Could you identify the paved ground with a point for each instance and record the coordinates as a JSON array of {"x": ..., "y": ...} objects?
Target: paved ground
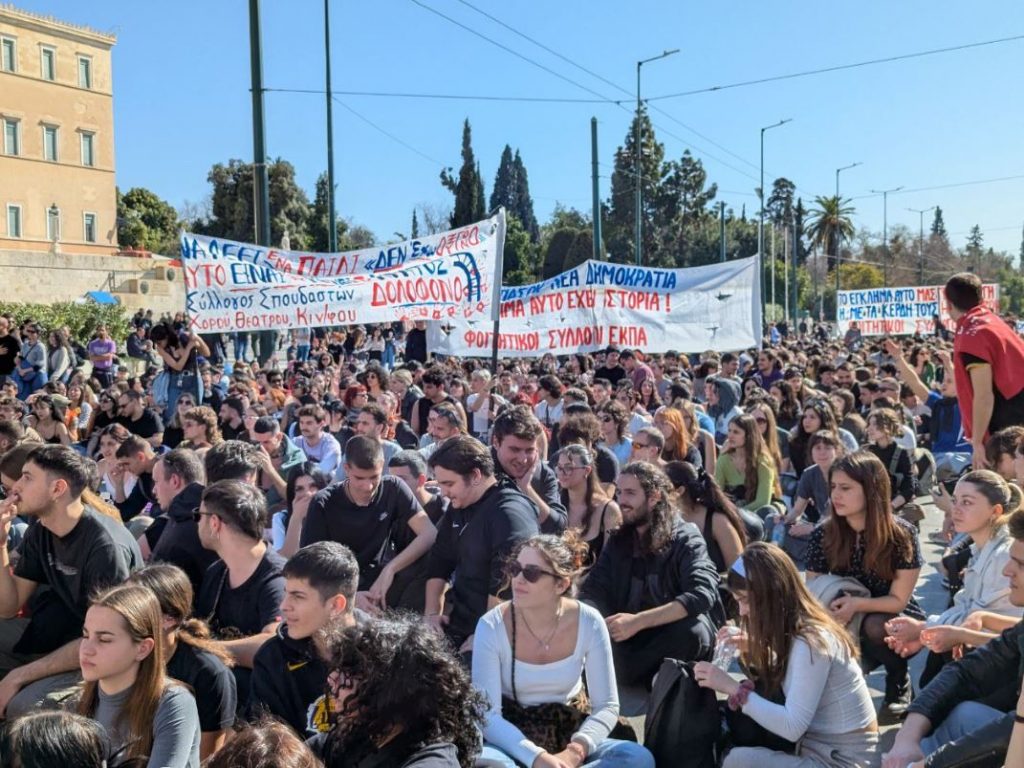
[{"x": 930, "y": 594}]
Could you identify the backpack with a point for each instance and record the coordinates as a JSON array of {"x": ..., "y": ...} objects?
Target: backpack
[{"x": 682, "y": 719}]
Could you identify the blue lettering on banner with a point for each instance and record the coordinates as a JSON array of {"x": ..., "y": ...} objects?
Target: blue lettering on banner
[{"x": 603, "y": 273}]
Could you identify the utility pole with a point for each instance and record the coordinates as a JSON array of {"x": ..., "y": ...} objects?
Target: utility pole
[
  {"x": 885, "y": 232},
  {"x": 839, "y": 235},
  {"x": 920, "y": 242},
  {"x": 760, "y": 222},
  {"x": 596, "y": 188},
  {"x": 638, "y": 176},
  {"x": 332, "y": 228},
  {"x": 261, "y": 182}
]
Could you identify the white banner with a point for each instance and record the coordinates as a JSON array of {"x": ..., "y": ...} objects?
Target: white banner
[
  {"x": 900, "y": 311},
  {"x": 599, "y": 304},
  {"x": 235, "y": 286}
]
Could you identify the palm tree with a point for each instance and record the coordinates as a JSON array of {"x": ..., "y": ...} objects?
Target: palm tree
[{"x": 830, "y": 224}]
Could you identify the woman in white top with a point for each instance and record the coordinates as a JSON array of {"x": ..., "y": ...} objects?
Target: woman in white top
[
  {"x": 982, "y": 502},
  {"x": 529, "y": 656},
  {"x": 798, "y": 649}
]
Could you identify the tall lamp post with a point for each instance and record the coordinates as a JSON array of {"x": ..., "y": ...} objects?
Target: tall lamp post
[
  {"x": 760, "y": 223},
  {"x": 839, "y": 236},
  {"x": 885, "y": 229},
  {"x": 638, "y": 139},
  {"x": 920, "y": 242}
]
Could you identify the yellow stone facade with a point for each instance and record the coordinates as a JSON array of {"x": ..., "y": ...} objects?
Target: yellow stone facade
[{"x": 56, "y": 136}]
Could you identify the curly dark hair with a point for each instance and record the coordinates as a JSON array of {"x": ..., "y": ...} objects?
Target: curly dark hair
[
  {"x": 662, "y": 518},
  {"x": 406, "y": 676}
]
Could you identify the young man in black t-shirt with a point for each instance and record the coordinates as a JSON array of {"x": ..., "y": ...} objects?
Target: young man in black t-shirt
[
  {"x": 289, "y": 676},
  {"x": 411, "y": 468},
  {"x": 72, "y": 549},
  {"x": 241, "y": 593},
  {"x": 139, "y": 420},
  {"x": 374, "y": 515},
  {"x": 9, "y": 349}
]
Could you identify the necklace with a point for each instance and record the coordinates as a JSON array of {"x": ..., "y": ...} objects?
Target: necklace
[{"x": 545, "y": 643}]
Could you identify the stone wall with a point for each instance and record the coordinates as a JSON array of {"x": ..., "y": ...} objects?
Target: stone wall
[{"x": 42, "y": 278}]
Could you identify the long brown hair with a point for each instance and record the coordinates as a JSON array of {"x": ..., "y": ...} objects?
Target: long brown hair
[
  {"x": 594, "y": 495},
  {"x": 781, "y": 610},
  {"x": 883, "y": 538},
  {"x": 754, "y": 453},
  {"x": 140, "y": 610},
  {"x": 174, "y": 592},
  {"x": 771, "y": 434}
]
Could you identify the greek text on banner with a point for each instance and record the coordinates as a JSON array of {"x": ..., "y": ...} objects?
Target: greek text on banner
[
  {"x": 235, "y": 286},
  {"x": 900, "y": 311},
  {"x": 599, "y": 304}
]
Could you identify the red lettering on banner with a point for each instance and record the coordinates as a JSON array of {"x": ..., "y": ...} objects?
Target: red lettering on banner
[
  {"x": 513, "y": 309},
  {"x": 562, "y": 338},
  {"x": 615, "y": 298},
  {"x": 627, "y": 335},
  {"x": 458, "y": 241},
  {"x": 896, "y": 327},
  {"x": 418, "y": 290},
  {"x": 205, "y": 275},
  {"x": 585, "y": 299}
]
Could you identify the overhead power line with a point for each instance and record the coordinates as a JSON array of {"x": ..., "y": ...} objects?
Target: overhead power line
[
  {"x": 838, "y": 68},
  {"x": 387, "y": 133},
  {"x": 945, "y": 186}
]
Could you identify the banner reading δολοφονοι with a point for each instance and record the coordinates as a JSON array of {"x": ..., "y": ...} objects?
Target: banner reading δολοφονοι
[
  {"x": 600, "y": 304},
  {"x": 234, "y": 286}
]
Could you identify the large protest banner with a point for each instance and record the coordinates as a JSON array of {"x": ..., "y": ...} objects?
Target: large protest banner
[
  {"x": 900, "y": 311},
  {"x": 235, "y": 286},
  {"x": 599, "y": 304}
]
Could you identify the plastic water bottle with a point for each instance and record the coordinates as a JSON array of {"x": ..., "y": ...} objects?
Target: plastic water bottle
[
  {"x": 778, "y": 530},
  {"x": 726, "y": 650}
]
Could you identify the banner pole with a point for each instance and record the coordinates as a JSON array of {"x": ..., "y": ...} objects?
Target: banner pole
[{"x": 496, "y": 296}]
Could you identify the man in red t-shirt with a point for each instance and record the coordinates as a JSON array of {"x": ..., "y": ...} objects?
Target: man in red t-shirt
[{"x": 988, "y": 358}]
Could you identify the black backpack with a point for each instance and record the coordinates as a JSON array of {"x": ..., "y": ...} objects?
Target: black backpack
[{"x": 682, "y": 718}]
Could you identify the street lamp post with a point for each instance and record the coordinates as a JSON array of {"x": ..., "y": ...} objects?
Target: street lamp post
[
  {"x": 760, "y": 224},
  {"x": 839, "y": 235},
  {"x": 638, "y": 139},
  {"x": 885, "y": 230},
  {"x": 920, "y": 242}
]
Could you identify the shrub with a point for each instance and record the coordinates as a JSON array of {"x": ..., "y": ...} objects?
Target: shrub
[{"x": 82, "y": 319}]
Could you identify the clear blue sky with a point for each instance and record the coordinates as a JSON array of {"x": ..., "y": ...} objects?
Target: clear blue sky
[{"x": 181, "y": 84}]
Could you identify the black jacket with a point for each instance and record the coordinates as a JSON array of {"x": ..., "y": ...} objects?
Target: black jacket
[
  {"x": 545, "y": 483},
  {"x": 289, "y": 682},
  {"x": 682, "y": 572},
  {"x": 474, "y": 544},
  {"x": 179, "y": 541},
  {"x": 991, "y": 673},
  {"x": 396, "y": 755}
]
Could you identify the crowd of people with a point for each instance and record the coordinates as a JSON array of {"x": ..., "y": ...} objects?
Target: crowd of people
[{"x": 338, "y": 552}]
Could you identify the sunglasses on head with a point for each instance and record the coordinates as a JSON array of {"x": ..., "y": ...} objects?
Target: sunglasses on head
[{"x": 531, "y": 573}]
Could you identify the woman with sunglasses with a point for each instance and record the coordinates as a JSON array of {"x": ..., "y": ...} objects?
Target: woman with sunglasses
[
  {"x": 795, "y": 651},
  {"x": 592, "y": 512},
  {"x": 614, "y": 420},
  {"x": 202, "y": 431},
  {"x": 529, "y": 656},
  {"x": 174, "y": 431}
]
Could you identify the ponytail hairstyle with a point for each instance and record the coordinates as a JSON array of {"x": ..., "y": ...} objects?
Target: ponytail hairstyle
[
  {"x": 701, "y": 489},
  {"x": 174, "y": 593},
  {"x": 139, "y": 609},
  {"x": 997, "y": 492}
]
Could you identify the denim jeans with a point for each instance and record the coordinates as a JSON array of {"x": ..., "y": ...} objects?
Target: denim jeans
[
  {"x": 967, "y": 716},
  {"x": 29, "y": 384},
  {"x": 610, "y": 753},
  {"x": 180, "y": 383},
  {"x": 302, "y": 352}
]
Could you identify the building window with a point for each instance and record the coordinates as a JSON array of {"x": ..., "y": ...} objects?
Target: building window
[
  {"x": 88, "y": 155},
  {"x": 50, "y": 143},
  {"x": 84, "y": 72},
  {"x": 89, "y": 228},
  {"x": 52, "y": 223},
  {"x": 48, "y": 63},
  {"x": 12, "y": 137},
  {"x": 14, "y": 221},
  {"x": 8, "y": 55}
]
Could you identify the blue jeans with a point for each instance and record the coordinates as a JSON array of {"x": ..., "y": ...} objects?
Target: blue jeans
[
  {"x": 302, "y": 352},
  {"x": 241, "y": 346},
  {"x": 967, "y": 716},
  {"x": 180, "y": 383},
  {"x": 29, "y": 384},
  {"x": 610, "y": 753}
]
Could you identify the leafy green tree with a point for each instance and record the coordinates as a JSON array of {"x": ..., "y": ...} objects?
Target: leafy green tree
[
  {"x": 519, "y": 262},
  {"x": 146, "y": 222},
  {"x": 503, "y": 193},
  {"x": 523, "y": 202},
  {"x": 619, "y": 229},
  {"x": 557, "y": 251},
  {"x": 467, "y": 187},
  {"x": 681, "y": 207},
  {"x": 830, "y": 222},
  {"x": 231, "y": 207},
  {"x": 582, "y": 248},
  {"x": 799, "y": 224},
  {"x": 975, "y": 247},
  {"x": 779, "y": 206},
  {"x": 317, "y": 224},
  {"x": 415, "y": 231},
  {"x": 938, "y": 225}
]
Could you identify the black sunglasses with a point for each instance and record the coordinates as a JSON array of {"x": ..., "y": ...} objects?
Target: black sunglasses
[
  {"x": 531, "y": 573},
  {"x": 197, "y": 515}
]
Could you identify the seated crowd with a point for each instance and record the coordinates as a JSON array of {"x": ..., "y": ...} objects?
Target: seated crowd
[{"x": 339, "y": 562}]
